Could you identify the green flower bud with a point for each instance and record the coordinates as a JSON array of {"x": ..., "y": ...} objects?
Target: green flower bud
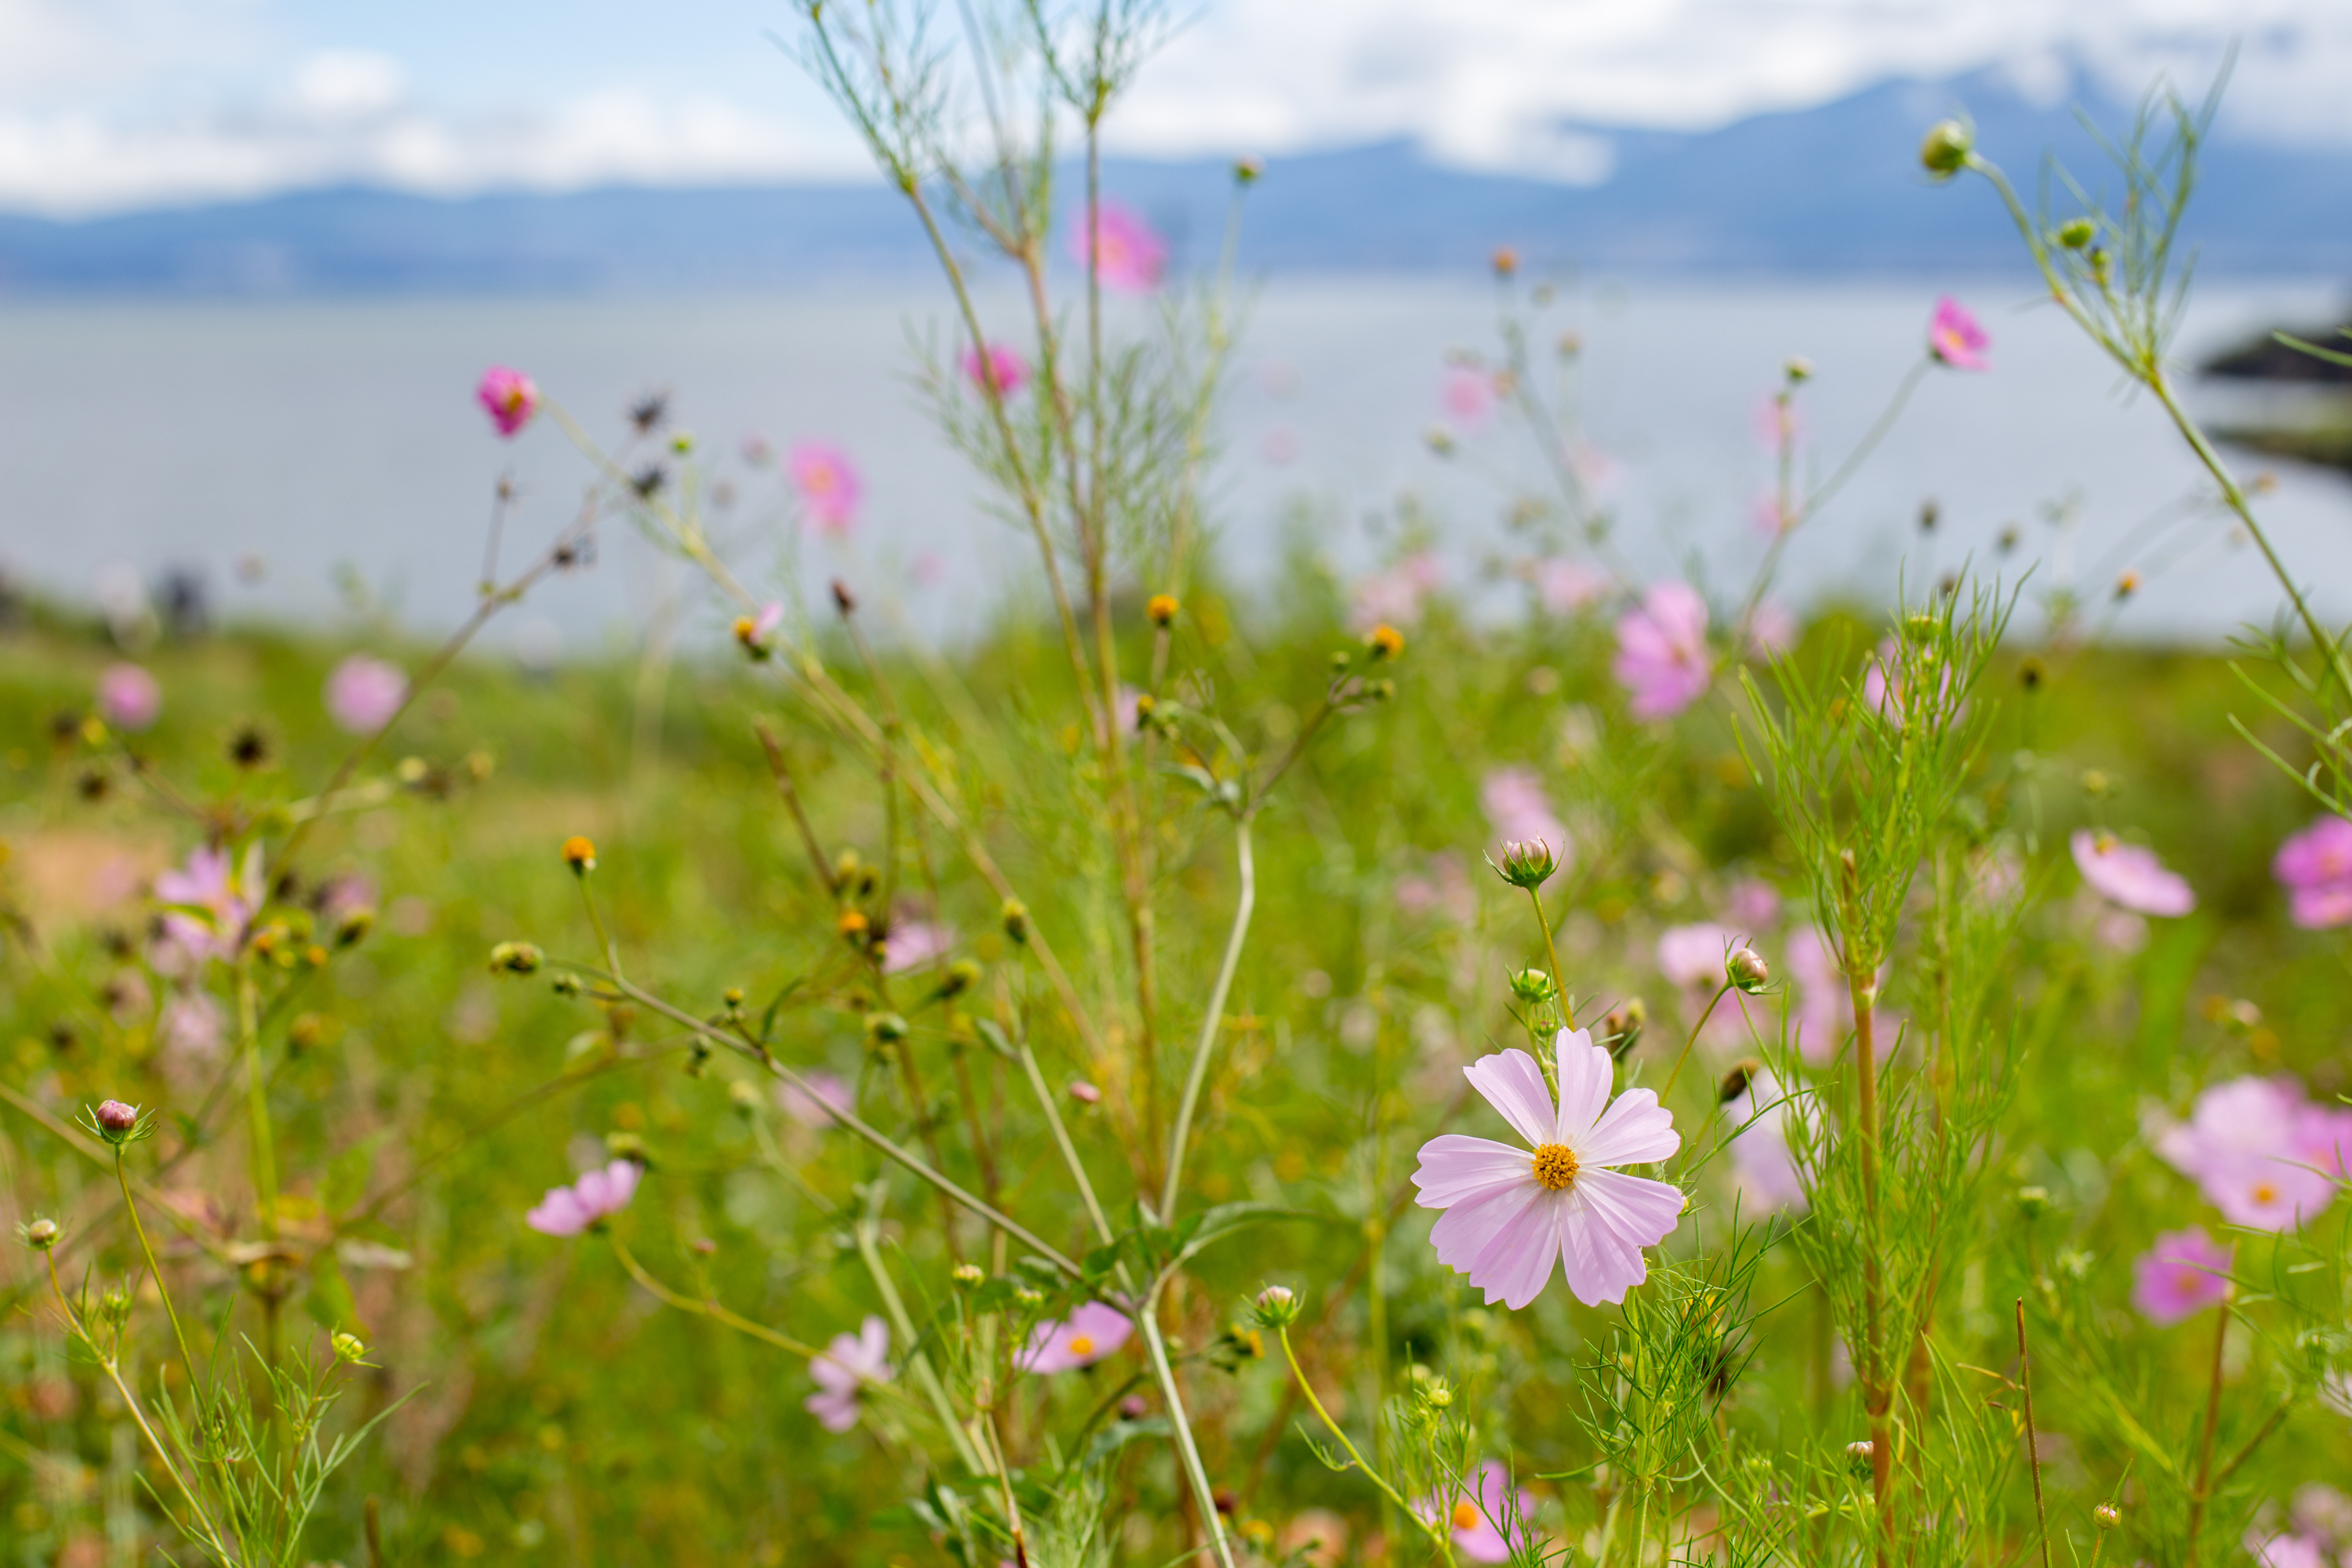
[
  {"x": 1945, "y": 151},
  {"x": 1747, "y": 971},
  {"x": 1533, "y": 987},
  {"x": 1015, "y": 916},
  {"x": 1526, "y": 863},
  {"x": 348, "y": 1347},
  {"x": 41, "y": 1235},
  {"x": 2075, "y": 234},
  {"x": 516, "y": 958},
  {"x": 1277, "y": 1307}
]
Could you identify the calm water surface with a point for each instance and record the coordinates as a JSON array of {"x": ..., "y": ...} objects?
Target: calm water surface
[{"x": 335, "y": 442}]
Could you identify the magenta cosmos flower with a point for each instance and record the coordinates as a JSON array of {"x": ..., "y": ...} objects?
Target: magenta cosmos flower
[
  {"x": 589, "y": 1202},
  {"x": 1954, "y": 337},
  {"x": 2316, "y": 869},
  {"x": 2182, "y": 1273},
  {"x": 364, "y": 693},
  {"x": 829, "y": 485},
  {"x": 1127, "y": 254},
  {"x": 842, "y": 1372},
  {"x": 510, "y": 397},
  {"x": 127, "y": 696},
  {"x": 2263, "y": 1154},
  {"x": 1476, "y": 1536},
  {"x": 1662, "y": 656},
  {"x": 1082, "y": 1338},
  {"x": 1509, "y": 1212},
  {"x": 214, "y": 902},
  {"x": 2126, "y": 875},
  {"x": 1000, "y": 366}
]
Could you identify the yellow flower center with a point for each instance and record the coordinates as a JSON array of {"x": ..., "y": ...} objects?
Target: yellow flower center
[
  {"x": 1465, "y": 1516},
  {"x": 2265, "y": 1194},
  {"x": 1081, "y": 1345},
  {"x": 1555, "y": 1165}
]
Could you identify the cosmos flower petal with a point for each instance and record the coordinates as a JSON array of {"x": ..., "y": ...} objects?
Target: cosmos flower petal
[
  {"x": 1516, "y": 1264},
  {"x": 1639, "y": 1211},
  {"x": 1456, "y": 1166},
  {"x": 1634, "y": 1130},
  {"x": 1584, "y": 1076},
  {"x": 560, "y": 1213},
  {"x": 1514, "y": 1085},
  {"x": 1600, "y": 1266},
  {"x": 1462, "y": 1231}
]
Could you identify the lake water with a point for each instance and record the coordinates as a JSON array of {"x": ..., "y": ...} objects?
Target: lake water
[{"x": 337, "y": 440}]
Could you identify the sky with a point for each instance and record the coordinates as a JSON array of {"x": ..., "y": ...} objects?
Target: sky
[{"x": 114, "y": 105}]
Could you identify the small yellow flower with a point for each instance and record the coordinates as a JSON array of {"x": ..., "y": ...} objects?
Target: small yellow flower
[
  {"x": 1385, "y": 641},
  {"x": 579, "y": 854},
  {"x": 1162, "y": 609}
]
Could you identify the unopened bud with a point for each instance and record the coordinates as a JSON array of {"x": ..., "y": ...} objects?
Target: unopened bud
[
  {"x": 1858, "y": 1456},
  {"x": 2076, "y": 233},
  {"x": 1015, "y": 916},
  {"x": 1277, "y": 1307},
  {"x": 1533, "y": 987},
  {"x": 2032, "y": 1202},
  {"x": 885, "y": 1028},
  {"x": 745, "y": 1094},
  {"x": 353, "y": 928},
  {"x": 41, "y": 1235},
  {"x": 842, "y": 599},
  {"x": 1248, "y": 170},
  {"x": 515, "y": 958},
  {"x": 1622, "y": 1026},
  {"x": 2107, "y": 1516},
  {"x": 1746, "y": 969},
  {"x": 961, "y": 976},
  {"x": 348, "y": 1347},
  {"x": 1739, "y": 1080},
  {"x": 1526, "y": 863},
  {"x": 1083, "y": 1092},
  {"x": 1947, "y": 148},
  {"x": 116, "y": 1117},
  {"x": 1799, "y": 370}
]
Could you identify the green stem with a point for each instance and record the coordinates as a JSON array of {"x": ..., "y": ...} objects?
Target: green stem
[
  {"x": 1685, "y": 1056},
  {"x": 1243, "y": 905},
  {"x": 1439, "y": 1536},
  {"x": 2203, "y": 1490},
  {"x": 123, "y": 1179},
  {"x": 868, "y": 1233},
  {"x": 1559, "y": 980}
]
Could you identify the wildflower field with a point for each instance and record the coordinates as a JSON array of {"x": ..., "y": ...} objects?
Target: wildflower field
[{"x": 1594, "y": 1069}]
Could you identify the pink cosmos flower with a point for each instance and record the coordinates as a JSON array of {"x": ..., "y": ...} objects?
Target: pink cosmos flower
[
  {"x": 1445, "y": 887},
  {"x": 2285, "y": 1550},
  {"x": 1954, "y": 337},
  {"x": 1510, "y": 1212},
  {"x": 364, "y": 693},
  {"x": 1514, "y": 801},
  {"x": 2263, "y": 1154},
  {"x": 1084, "y": 1338},
  {"x": 915, "y": 943},
  {"x": 1467, "y": 395},
  {"x": 1475, "y": 1536},
  {"x": 1771, "y": 629},
  {"x": 829, "y": 485},
  {"x": 1752, "y": 903},
  {"x": 587, "y": 1203},
  {"x": 1566, "y": 586},
  {"x": 814, "y": 1110},
  {"x": 2320, "y": 1510},
  {"x": 127, "y": 696},
  {"x": 1763, "y": 1167},
  {"x": 842, "y": 1372},
  {"x": 192, "y": 1024},
  {"x": 1128, "y": 256},
  {"x": 1661, "y": 655},
  {"x": 1394, "y": 597},
  {"x": 2315, "y": 868},
  {"x": 215, "y": 903},
  {"x": 1002, "y": 366},
  {"x": 511, "y": 398},
  {"x": 2182, "y": 1273},
  {"x": 2128, "y": 875}
]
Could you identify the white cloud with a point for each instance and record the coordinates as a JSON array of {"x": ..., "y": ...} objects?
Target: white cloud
[{"x": 109, "y": 104}]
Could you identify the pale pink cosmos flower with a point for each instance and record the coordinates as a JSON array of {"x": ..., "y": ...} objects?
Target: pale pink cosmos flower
[
  {"x": 1394, "y": 597},
  {"x": 2320, "y": 1510},
  {"x": 1763, "y": 1166},
  {"x": 814, "y": 1107},
  {"x": 1954, "y": 337},
  {"x": 1476, "y": 1537},
  {"x": 1467, "y": 395},
  {"x": 842, "y": 1372},
  {"x": 2128, "y": 875},
  {"x": 829, "y": 485},
  {"x": 1000, "y": 366},
  {"x": 1752, "y": 903},
  {"x": 2182, "y": 1273},
  {"x": 587, "y": 1203},
  {"x": 2261, "y": 1154},
  {"x": 913, "y": 943},
  {"x": 192, "y": 1024},
  {"x": 2286, "y": 1550},
  {"x": 364, "y": 693},
  {"x": 1128, "y": 257},
  {"x": 1515, "y": 802},
  {"x": 1661, "y": 654},
  {"x": 1091, "y": 1332},
  {"x": 1511, "y": 1213},
  {"x": 1566, "y": 586},
  {"x": 511, "y": 398},
  {"x": 1445, "y": 887},
  {"x": 1771, "y": 630},
  {"x": 2315, "y": 868},
  {"x": 127, "y": 696},
  {"x": 215, "y": 903}
]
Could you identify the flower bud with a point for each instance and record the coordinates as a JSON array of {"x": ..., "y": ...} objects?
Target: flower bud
[
  {"x": 580, "y": 854},
  {"x": 1747, "y": 971},
  {"x": 1622, "y": 1027},
  {"x": 745, "y": 1095},
  {"x": 1737, "y": 1082},
  {"x": 1947, "y": 148},
  {"x": 1277, "y": 1307},
  {"x": 852, "y": 925},
  {"x": 1083, "y": 1092},
  {"x": 1799, "y": 370},
  {"x": 2076, "y": 233},
  {"x": 1526, "y": 863},
  {"x": 961, "y": 976},
  {"x": 885, "y": 1028},
  {"x": 1248, "y": 170},
  {"x": 41, "y": 1235},
  {"x": 627, "y": 1146},
  {"x": 1507, "y": 261},
  {"x": 1134, "y": 1407},
  {"x": 115, "y": 1118},
  {"x": 1161, "y": 609},
  {"x": 1858, "y": 1456},
  {"x": 2107, "y": 1516},
  {"x": 1532, "y": 987},
  {"x": 969, "y": 1275},
  {"x": 348, "y": 1347},
  {"x": 1015, "y": 916},
  {"x": 567, "y": 985},
  {"x": 2033, "y": 1203},
  {"x": 515, "y": 958}
]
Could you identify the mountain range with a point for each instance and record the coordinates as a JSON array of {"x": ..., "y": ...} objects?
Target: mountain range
[{"x": 1831, "y": 191}]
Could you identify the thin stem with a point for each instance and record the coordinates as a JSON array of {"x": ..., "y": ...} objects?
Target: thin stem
[
  {"x": 1559, "y": 980},
  {"x": 1439, "y": 1536},
  {"x": 1721, "y": 992},
  {"x": 868, "y": 1233},
  {"x": 2203, "y": 1490},
  {"x": 179, "y": 1335},
  {"x": 2032, "y": 1441},
  {"x": 1243, "y": 902},
  {"x": 707, "y": 1309}
]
